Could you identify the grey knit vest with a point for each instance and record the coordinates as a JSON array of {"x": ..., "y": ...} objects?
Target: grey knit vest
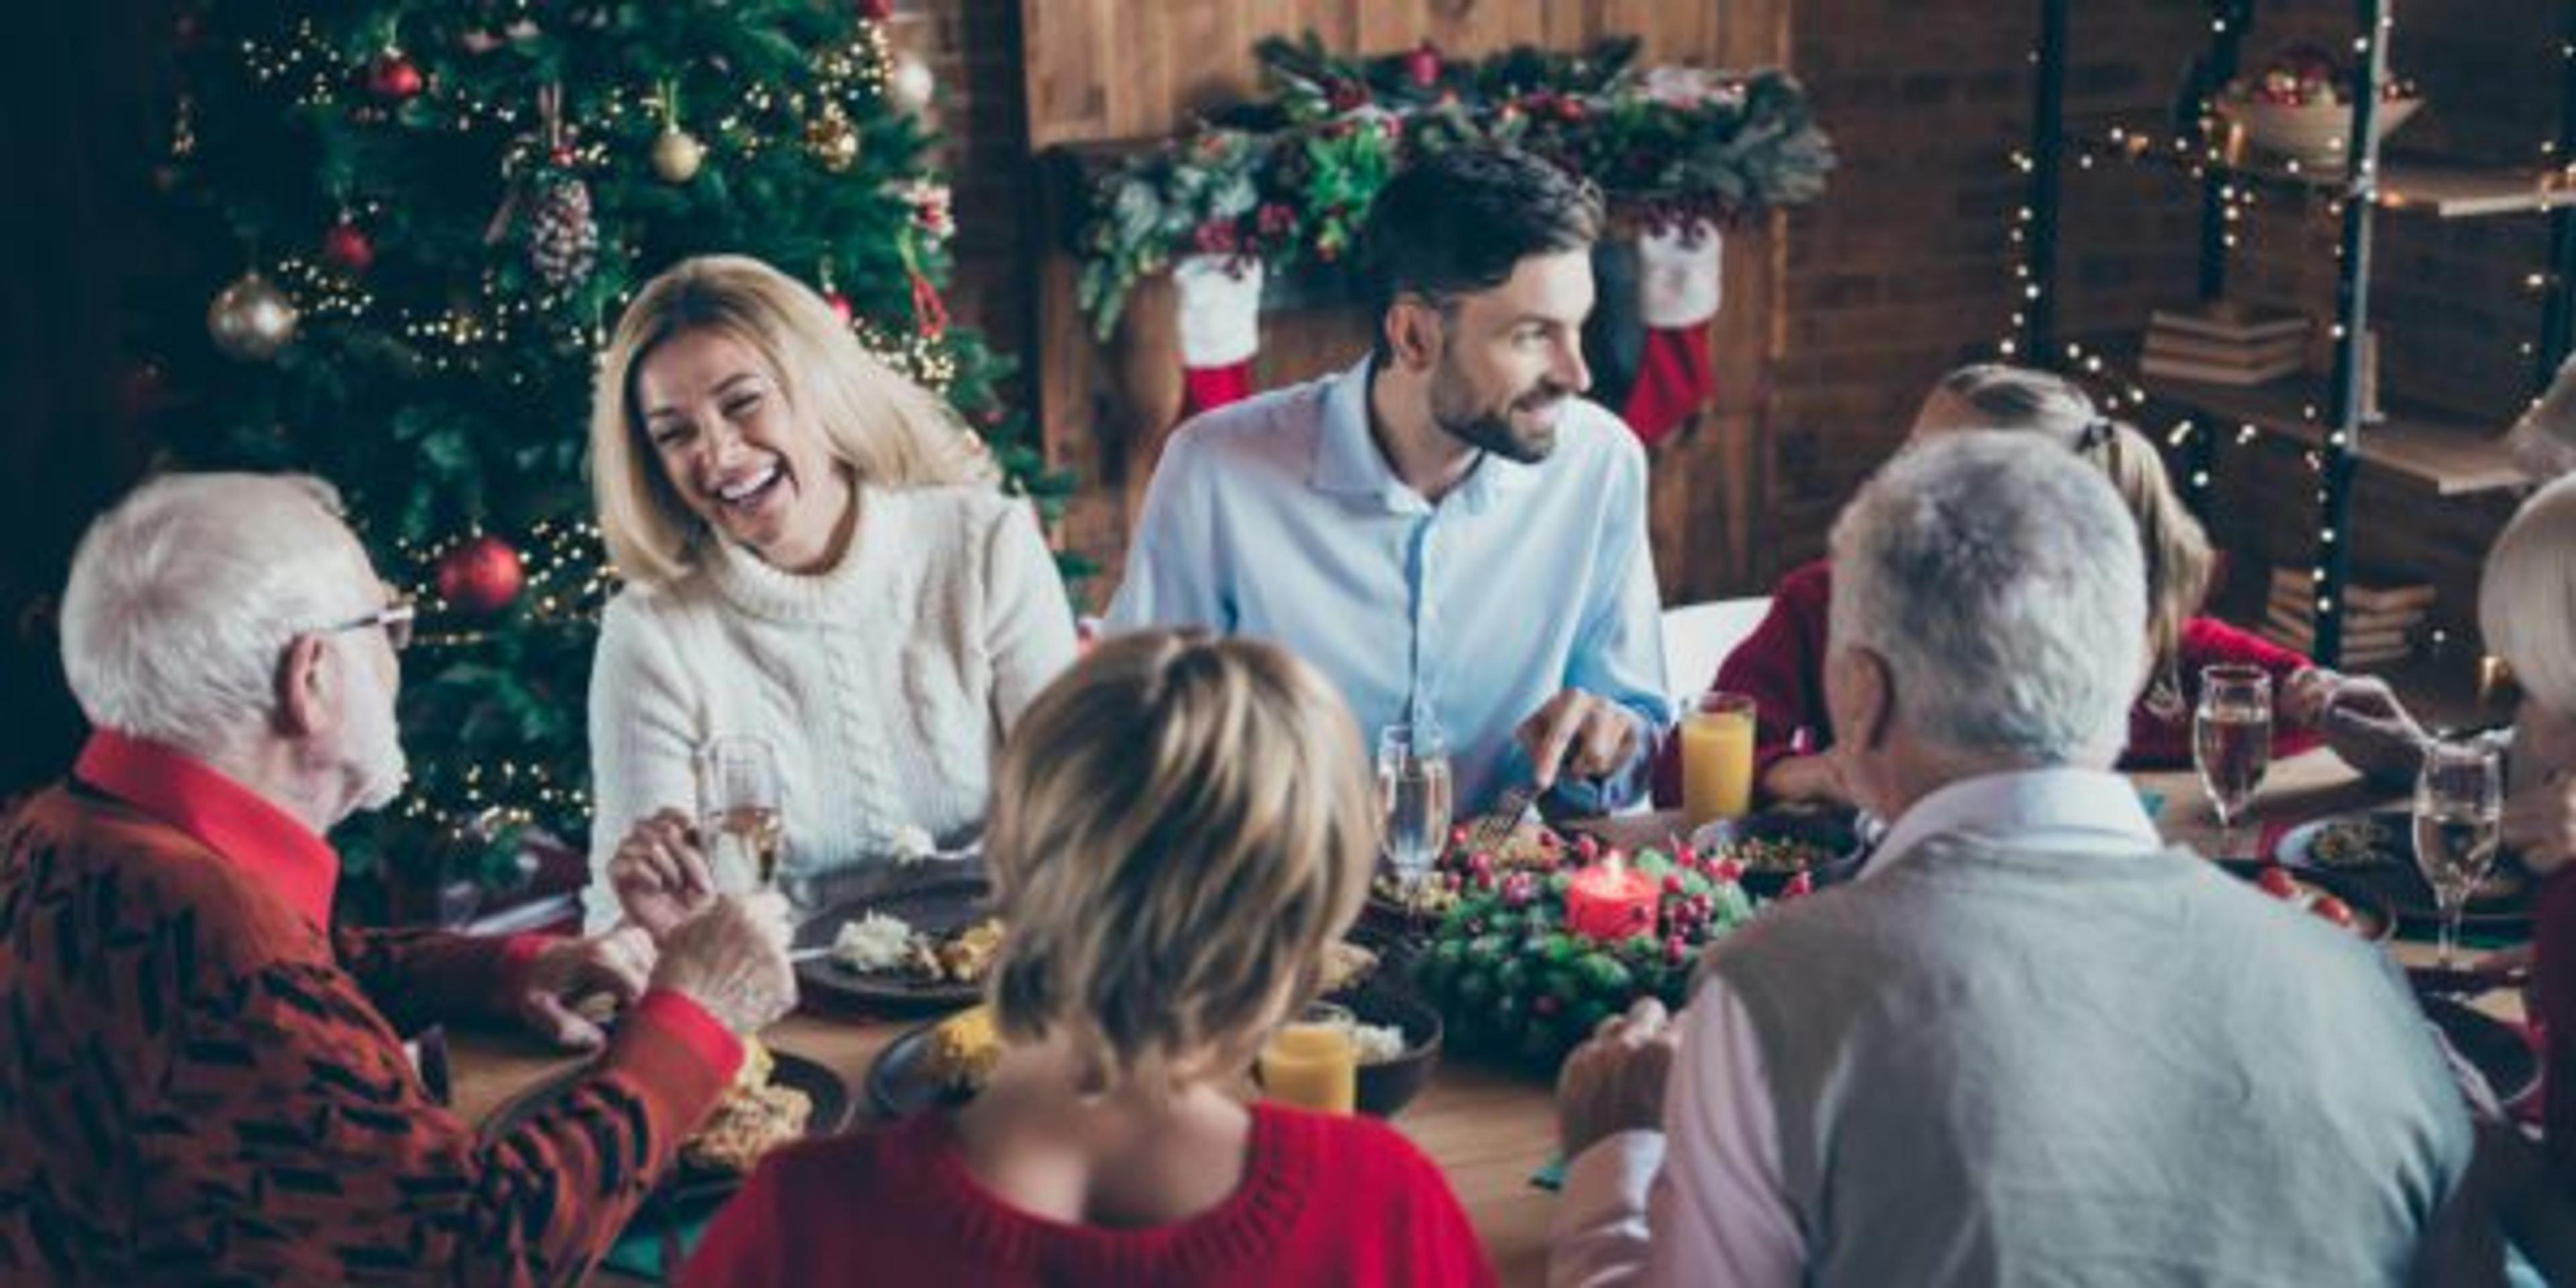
[{"x": 2000, "y": 1066}]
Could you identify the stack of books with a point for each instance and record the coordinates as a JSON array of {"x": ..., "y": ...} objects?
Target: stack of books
[
  {"x": 2222, "y": 342},
  {"x": 2380, "y": 619}
]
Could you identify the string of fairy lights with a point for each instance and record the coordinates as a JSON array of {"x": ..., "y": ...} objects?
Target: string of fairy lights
[
  {"x": 480, "y": 329},
  {"x": 2236, "y": 191}
]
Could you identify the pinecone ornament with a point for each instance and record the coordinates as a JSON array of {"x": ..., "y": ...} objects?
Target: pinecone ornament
[{"x": 563, "y": 234}]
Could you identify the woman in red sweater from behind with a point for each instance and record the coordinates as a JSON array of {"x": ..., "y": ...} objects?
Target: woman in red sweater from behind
[
  {"x": 1781, "y": 664},
  {"x": 1180, "y": 827}
]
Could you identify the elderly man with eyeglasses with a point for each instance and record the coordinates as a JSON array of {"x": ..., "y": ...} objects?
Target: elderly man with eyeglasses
[{"x": 200, "y": 1078}]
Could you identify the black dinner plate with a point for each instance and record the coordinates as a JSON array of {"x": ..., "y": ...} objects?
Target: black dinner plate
[
  {"x": 939, "y": 906},
  {"x": 691, "y": 1190},
  {"x": 2504, "y": 905}
]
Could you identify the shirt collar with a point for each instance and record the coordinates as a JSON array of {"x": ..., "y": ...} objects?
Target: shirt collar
[
  {"x": 226, "y": 817},
  {"x": 1348, "y": 462},
  {"x": 2079, "y": 809}
]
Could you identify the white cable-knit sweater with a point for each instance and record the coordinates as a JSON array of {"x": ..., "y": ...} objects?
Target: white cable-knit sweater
[{"x": 885, "y": 685}]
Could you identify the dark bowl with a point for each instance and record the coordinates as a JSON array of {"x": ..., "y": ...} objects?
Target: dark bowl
[
  {"x": 1386, "y": 1088},
  {"x": 1831, "y": 832}
]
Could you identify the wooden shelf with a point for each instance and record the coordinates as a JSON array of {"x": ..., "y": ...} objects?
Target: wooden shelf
[
  {"x": 2444, "y": 453},
  {"x": 2440, "y": 189}
]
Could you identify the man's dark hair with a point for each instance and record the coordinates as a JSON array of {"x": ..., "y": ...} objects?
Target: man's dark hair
[{"x": 1456, "y": 222}]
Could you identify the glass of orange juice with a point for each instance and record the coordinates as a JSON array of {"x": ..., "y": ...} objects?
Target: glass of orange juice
[
  {"x": 1717, "y": 757},
  {"x": 1312, "y": 1063}
]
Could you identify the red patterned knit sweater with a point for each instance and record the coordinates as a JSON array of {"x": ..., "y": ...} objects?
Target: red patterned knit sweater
[{"x": 199, "y": 1083}]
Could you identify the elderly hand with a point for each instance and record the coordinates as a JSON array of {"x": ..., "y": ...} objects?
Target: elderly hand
[
  {"x": 567, "y": 972},
  {"x": 731, "y": 959},
  {"x": 1579, "y": 733},
  {"x": 2539, "y": 823},
  {"x": 659, "y": 874},
  {"x": 1615, "y": 1081},
  {"x": 2367, "y": 726}
]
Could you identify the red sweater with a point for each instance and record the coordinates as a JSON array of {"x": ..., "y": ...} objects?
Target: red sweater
[
  {"x": 1325, "y": 1200},
  {"x": 2554, "y": 978},
  {"x": 200, "y": 1082},
  {"x": 1781, "y": 665}
]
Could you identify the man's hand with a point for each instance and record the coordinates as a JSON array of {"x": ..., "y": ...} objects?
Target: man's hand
[
  {"x": 1577, "y": 733},
  {"x": 2366, "y": 725},
  {"x": 568, "y": 972},
  {"x": 659, "y": 874},
  {"x": 1615, "y": 1081}
]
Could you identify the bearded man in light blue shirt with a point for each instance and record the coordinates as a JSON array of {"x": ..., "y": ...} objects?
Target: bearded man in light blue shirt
[{"x": 1447, "y": 529}]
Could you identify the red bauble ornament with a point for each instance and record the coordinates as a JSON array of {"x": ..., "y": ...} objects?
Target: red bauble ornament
[
  {"x": 1422, "y": 65},
  {"x": 481, "y": 576},
  {"x": 840, "y": 306},
  {"x": 876, "y": 10},
  {"x": 394, "y": 78},
  {"x": 347, "y": 248}
]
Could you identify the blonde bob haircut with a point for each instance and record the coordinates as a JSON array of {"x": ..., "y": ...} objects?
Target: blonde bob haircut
[
  {"x": 1991, "y": 395},
  {"x": 2527, "y": 597},
  {"x": 890, "y": 432},
  {"x": 1181, "y": 825}
]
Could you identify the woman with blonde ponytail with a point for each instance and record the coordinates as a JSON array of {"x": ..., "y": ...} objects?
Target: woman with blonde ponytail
[
  {"x": 1781, "y": 665},
  {"x": 816, "y": 557}
]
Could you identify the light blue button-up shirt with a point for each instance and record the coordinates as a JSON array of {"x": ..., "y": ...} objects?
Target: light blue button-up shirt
[{"x": 1278, "y": 517}]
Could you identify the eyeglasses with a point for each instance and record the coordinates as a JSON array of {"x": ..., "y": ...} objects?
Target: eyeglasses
[{"x": 395, "y": 617}]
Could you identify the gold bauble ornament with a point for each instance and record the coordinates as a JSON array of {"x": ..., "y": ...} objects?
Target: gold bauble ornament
[
  {"x": 251, "y": 319},
  {"x": 677, "y": 154},
  {"x": 832, "y": 140}
]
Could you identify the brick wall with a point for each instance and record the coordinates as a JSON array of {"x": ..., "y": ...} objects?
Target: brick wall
[{"x": 973, "y": 48}]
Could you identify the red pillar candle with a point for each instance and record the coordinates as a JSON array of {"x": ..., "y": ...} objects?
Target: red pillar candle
[{"x": 1610, "y": 900}]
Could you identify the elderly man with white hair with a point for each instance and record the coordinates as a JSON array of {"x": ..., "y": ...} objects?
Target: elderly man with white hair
[
  {"x": 2031, "y": 1044},
  {"x": 200, "y": 1079}
]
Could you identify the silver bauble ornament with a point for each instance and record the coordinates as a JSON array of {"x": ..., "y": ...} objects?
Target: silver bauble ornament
[
  {"x": 251, "y": 320},
  {"x": 909, "y": 84},
  {"x": 677, "y": 154}
]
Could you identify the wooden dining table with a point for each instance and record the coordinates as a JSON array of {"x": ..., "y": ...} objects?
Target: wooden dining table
[{"x": 1491, "y": 1129}]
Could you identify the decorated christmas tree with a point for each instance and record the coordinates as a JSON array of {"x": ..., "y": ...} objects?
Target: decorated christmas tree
[{"x": 404, "y": 229}]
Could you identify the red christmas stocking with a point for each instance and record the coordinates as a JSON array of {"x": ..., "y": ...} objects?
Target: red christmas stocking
[
  {"x": 1218, "y": 302},
  {"x": 1678, "y": 290}
]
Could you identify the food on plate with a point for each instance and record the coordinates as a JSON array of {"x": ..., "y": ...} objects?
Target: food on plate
[
  {"x": 1776, "y": 853},
  {"x": 963, "y": 1049},
  {"x": 877, "y": 941},
  {"x": 754, "y": 1117},
  {"x": 961, "y": 958},
  {"x": 1346, "y": 964},
  {"x": 2357, "y": 843},
  {"x": 2324, "y": 904},
  {"x": 913, "y": 843},
  {"x": 1376, "y": 1043}
]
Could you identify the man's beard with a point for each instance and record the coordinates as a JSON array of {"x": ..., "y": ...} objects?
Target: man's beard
[
  {"x": 375, "y": 760},
  {"x": 1493, "y": 431}
]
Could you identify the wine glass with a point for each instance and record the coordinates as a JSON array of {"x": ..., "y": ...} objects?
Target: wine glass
[
  {"x": 2231, "y": 741},
  {"x": 738, "y": 814},
  {"x": 1413, "y": 797},
  {"x": 2459, "y": 797}
]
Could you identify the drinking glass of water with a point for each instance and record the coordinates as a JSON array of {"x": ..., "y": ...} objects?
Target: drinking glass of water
[
  {"x": 2231, "y": 742},
  {"x": 738, "y": 814},
  {"x": 1413, "y": 795},
  {"x": 2459, "y": 796}
]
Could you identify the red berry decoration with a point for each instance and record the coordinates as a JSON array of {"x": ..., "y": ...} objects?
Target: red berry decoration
[
  {"x": 393, "y": 78},
  {"x": 1458, "y": 837},
  {"x": 876, "y": 10},
  {"x": 840, "y": 307},
  {"x": 1798, "y": 885},
  {"x": 347, "y": 248},
  {"x": 1726, "y": 872},
  {"x": 1587, "y": 847},
  {"x": 481, "y": 576},
  {"x": 1422, "y": 65}
]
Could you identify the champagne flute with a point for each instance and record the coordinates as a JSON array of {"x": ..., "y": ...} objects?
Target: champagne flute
[
  {"x": 2231, "y": 742},
  {"x": 2459, "y": 798},
  {"x": 738, "y": 814},
  {"x": 1414, "y": 803}
]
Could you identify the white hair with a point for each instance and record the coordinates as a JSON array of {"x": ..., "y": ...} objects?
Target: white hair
[
  {"x": 184, "y": 594},
  {"x": 2005, "y": 590},
  {"x": 2527, "y": 596}
]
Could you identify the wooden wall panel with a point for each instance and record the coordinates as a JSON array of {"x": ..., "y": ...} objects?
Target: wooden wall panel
[{"x": 1112, "y": 70}]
